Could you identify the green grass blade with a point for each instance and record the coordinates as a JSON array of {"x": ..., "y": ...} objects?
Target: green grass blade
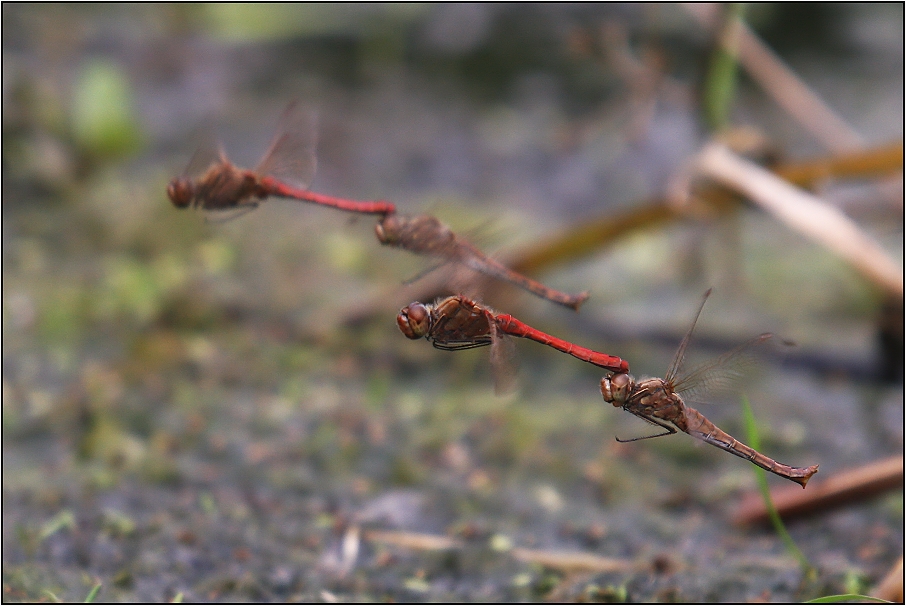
[
  {"x": 721, "y": 80},
  {"x": 93, "y": 594},
  {"x": 845, "y": 597},
  {"x": 754, "y": 441}
]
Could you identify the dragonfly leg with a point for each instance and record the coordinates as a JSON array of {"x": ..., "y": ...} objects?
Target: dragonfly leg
[
  {"x": 423, "y": 273},
  {"x": 669, "y": 429},
  {"x": 249, "y": 207},
  {"x": 458, "y": 345}
]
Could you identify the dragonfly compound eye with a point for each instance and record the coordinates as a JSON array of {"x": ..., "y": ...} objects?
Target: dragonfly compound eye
[
  {"x": 615, "y": 388},
  {"x": 414, "y": 320},
  {"x": 180, "y": 192},
  {"x": 387, "y": 229}
]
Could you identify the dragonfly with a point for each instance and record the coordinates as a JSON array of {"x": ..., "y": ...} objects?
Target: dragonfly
[
  {"x": 457, "y": 322},
  {"x": 211, "y": 182},
  {"x": 426, "y": 235},
  {"x": 659, "y": 401}
]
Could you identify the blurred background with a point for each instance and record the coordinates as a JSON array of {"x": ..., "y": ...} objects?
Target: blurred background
[{"x": 224, "y": 410}]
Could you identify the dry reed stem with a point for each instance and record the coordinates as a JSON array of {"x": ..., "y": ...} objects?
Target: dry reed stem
[
  {"x": 560, "y": 560},
  {"x": 877, "y": 161},
  {"x": 573, "y": 561},
  {"x": 413, "y": 540},
  {"x": 804, "y": 213},
  {"x": 590, "y": 236},
  {"x": 891, "y": 586},
  {"x": 840, "y": 489}
]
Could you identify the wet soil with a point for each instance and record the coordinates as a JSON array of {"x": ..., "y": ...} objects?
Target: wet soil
[{"x": 197, "y": 410}]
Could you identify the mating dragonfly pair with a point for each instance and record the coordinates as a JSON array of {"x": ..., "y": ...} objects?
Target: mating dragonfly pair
[
  {"x": 211, "y": 182},
  {"x": 457, "y": 322}
]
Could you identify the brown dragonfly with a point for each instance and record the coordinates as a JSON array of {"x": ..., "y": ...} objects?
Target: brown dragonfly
[
  {"x": 457, "y": 322},
  {"x": 659, "y": 402},
  {"x": 425, "y": 235},
  {"x": 212, "y": 182}
]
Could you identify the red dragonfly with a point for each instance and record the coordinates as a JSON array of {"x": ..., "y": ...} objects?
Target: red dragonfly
[
  {"x": 424, "y": 234},
  {"x": 659, "y": 402},
  {"x": 285, "y": 171},
  {"x": 457, "y": 322}
]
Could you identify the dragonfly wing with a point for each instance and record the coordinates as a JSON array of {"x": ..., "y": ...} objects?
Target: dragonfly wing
[
  {"x": 721, "y": 374},
  {"x": 210, "y": 151},
  {"x": 291, "y": 157},
  {"x": 423, "y": 273},
  {"x": 680, "y": 356},
  {"x": 503, "y": 353}
]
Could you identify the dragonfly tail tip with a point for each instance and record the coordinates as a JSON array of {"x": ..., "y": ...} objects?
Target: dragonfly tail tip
[
  {"x": 576, "y": 302},
  {"x": 809, "y": 472}
]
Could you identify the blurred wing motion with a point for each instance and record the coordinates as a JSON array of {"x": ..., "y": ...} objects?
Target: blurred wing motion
[
  {"x": 213, "y": 183},
  {"x": 291, "y": 156}
]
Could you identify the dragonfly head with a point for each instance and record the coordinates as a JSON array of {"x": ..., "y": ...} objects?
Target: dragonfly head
[
  {"x": 414, "y": 320},
  {"x": 388, "y": 229},
  {"x": 180, "y": 191},
  {"x": 616, "y": 388}
]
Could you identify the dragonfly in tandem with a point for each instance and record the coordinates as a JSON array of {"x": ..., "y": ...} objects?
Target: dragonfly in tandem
[
  {"x": 458, "y": 322},
  {"x": 659, "y": 401},
  {"x": 211, "y": 182}
]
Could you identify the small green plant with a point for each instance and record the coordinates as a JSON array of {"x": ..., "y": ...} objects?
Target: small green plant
[
  {"x": 722, "y": 78},
  {"x": 89, "y": 599},
  {"x": 62, "y": 521},
  {"x": 845, "y": 597},
  {"x": 755, "y": 442},
  {"x": 93, "y": 594}
]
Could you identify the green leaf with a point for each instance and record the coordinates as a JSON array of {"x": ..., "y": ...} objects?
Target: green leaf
[
  {"x": 845, "y": 597},
  {"x": 93, "y": 593}
]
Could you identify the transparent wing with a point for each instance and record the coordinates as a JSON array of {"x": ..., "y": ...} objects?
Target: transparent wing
[
  {"x": 677, "y": 365},
  {"x": 210, "y": 151},
  {"x": 291, "y": 156},
  {"x": 424, "y": 273},
  {"x": 503, "y": 354},
  {"x": 719, "y": 375},
  {"x": 455, "y": 278}
]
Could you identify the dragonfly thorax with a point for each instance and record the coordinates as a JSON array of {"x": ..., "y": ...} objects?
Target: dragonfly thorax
[
  {"x": 414, "y": 320},
  {"x": 616, "y": 388}
]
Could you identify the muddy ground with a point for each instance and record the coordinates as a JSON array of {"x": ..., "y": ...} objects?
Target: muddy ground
[{"x": 203, "y": 410}]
